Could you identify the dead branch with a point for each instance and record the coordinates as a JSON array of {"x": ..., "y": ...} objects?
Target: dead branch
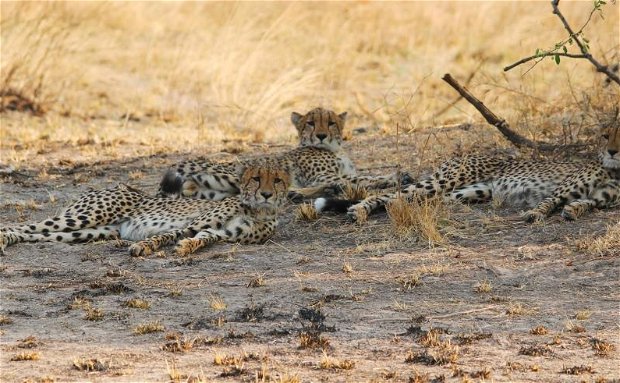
[
  {"x": 501, "y": 124},
  {"x": 575, "y": 36}
]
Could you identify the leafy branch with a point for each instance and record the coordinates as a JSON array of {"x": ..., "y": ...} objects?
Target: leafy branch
[{"x": 560, "y": 49}]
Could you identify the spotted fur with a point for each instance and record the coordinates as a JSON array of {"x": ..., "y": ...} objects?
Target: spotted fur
[
  {"x": 126, "y": 213},
  {"x": 542, "y": 186},
  {"x": 318, "y": 164}
]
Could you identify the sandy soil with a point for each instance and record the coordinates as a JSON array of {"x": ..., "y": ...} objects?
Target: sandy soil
[{"x": 393, "y": 307}]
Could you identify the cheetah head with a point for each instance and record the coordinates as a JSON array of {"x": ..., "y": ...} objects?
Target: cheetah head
[
  {"x": 320, "y": 128},
  {"x": 611, "y": 149},
  {"x": 264, "y": 186}
]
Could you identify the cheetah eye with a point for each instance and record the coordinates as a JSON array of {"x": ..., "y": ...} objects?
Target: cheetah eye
[
  {"x": 606, "y": 136},
  {"x": 332, "y": 124},
  {"x": 310, "y": 123},
  {"x": 277, "y": 180},
  {"x": 257, "y": 179}
]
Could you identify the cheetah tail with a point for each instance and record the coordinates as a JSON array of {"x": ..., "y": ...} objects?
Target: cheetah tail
[
  {"x": 333, "y": 204},
  {"x": 171, "y": 185}
]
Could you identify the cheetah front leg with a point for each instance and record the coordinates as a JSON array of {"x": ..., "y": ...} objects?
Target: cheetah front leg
[
  {"x": 604, "y": 196},
  {"x": 239, "y": 229},
  {"x": 577, "y": 187},
  {"x": 154, "y": 243}
]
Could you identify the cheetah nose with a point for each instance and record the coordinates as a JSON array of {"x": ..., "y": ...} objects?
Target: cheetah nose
[
  {"x": 612, "y": 152},
  {"x": 321, "y": 136},
  {"x": 266, "y": 195}
]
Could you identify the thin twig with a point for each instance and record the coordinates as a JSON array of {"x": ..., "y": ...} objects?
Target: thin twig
[{"x": 523, "y": 61}]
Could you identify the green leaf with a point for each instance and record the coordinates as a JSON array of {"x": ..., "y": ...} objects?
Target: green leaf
[
  {"x": 565, "y": 50},
  {"x": 557, "y": 59}
]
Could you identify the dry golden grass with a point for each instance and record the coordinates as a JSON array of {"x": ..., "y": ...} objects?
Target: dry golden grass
[
  {"x": 83, "y": 364},
  {"x": 328, "y": 363},
  {"x": 354, "y": 192},
  {"x": 217, "y": 303},
  {"x": 419, "y": 217},
  {"x": 483, "y": 287},
  {"x": 148, "y": 328},
  {"x": 137, "y": 303},
  {"x": 5, "y": 320},
  {"x": 306, "y": 212},
  {"x": 606, "y": 244},
  {"x": 122, "y": 79},
  {"x": 93, "y": 314},
  {"x": 25, "y": 356},
  {"x": 583, "y": 314},
  {"x": 257, "y": 281},
  {"x": 539, "y": 330}
]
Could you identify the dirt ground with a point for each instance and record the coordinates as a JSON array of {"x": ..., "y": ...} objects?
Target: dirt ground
[{"x": 323, "y": 301}]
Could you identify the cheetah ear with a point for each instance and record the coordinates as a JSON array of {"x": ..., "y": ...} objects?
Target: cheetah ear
[
  {"x": 343, "y": 116},
  {"x": 295, "y": 118}
]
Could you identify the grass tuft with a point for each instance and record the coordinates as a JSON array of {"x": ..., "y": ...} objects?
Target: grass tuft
[
  {"x": 137, "y": 303},
  {"x": 328, "y": 363},
  {"x": 306, "y": 212},
  {"x": 25, "y": 356},
  {"x": 148, "y": 328},
  {"x": 419, "y": 217}
]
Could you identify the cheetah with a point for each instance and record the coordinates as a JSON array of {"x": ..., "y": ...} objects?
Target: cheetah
[
  {"x": 128, "y": 214},
  {"x": 316, "y": 166},
  {"x": 541, "y": 186}
]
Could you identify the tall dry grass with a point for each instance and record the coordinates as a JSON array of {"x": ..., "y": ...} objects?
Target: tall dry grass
[{"x": 187, "y": 75}]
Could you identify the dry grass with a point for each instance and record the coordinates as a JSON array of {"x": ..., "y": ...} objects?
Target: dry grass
[
  {"x": 148, "y": 328},
  {"x": 419, "y": 217},
  {"x": 25, "y": 356},
  {"x": 5, "y": 320},
  {"x": 306, "y": 212},
  {"x": 312, "y": 340},
  {"x": 137, "y": 303},
  {"x": 483, "y": 287},
  {"x": 257, "y": 281},
  {"x": 583, "y": 314},
  {"x": 93, "y": 314},
  {"x": 606, "y": 244},
  {"x": 328, "y": 363},
  {"x": 82, "y": 364},
  {"x": 217, "y": 303},
  {"x": 539, "y": 330},
  {"x": 354, "y": 192}
]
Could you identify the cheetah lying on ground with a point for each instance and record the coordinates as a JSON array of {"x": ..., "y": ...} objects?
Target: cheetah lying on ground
[
  {"x": 545, "y": 186},
  {"x": 318, "y": 165},
  {"x": 128, "y": 214}
]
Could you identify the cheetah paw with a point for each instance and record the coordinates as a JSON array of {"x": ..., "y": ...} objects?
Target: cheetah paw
[
  {"x": 357, "y": 214},
  {"x": 184, "y": 247},
  {"x": 569, "y": 214},
  {"x": 533, "y": 216},
  {"x": 140, "y": 249}
]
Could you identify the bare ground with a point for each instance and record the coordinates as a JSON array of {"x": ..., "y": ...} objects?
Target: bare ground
[{"x": 363, "y": 293}]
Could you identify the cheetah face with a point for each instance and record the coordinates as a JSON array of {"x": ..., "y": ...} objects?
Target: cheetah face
[
  {"x": 264, "y": 186},
  {"x": 320, "y": 128},
  {"x": 611, "y": 150}
]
